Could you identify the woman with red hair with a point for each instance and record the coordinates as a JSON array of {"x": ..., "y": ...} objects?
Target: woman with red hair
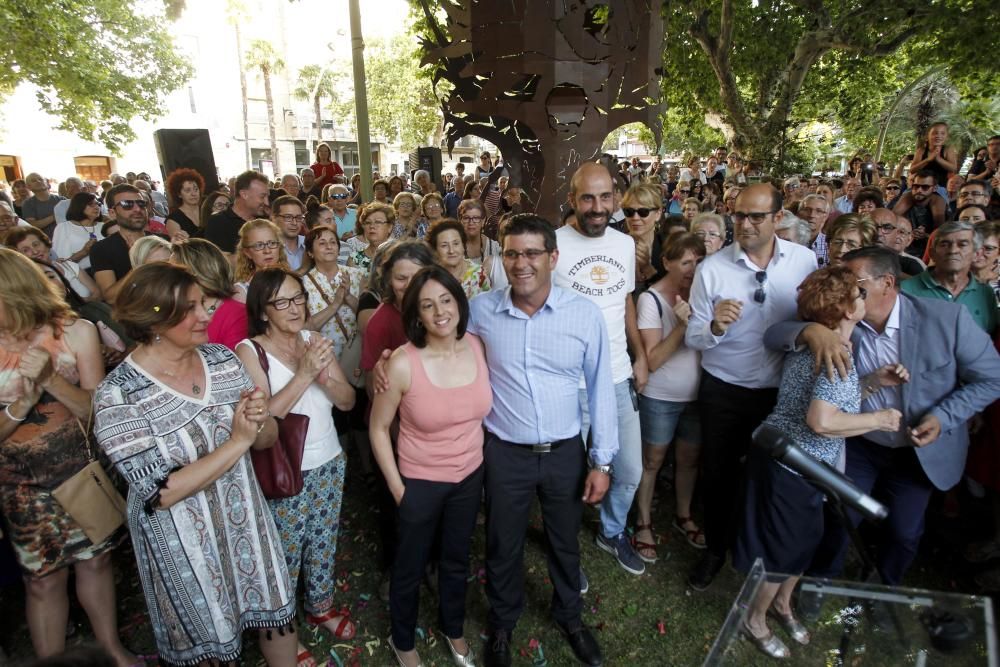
[{"x": 184, "y": 188}]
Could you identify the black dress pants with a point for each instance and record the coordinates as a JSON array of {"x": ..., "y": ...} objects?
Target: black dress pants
[{"x": 514, "y": 477}]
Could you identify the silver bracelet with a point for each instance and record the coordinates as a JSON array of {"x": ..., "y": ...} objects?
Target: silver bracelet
[{"x": 11, "y": 417}]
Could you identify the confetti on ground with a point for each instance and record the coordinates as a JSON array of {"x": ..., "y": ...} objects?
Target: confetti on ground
[{"x": 661, "y": 628}]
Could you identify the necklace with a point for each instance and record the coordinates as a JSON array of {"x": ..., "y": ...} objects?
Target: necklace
[
  {"x": 90, "y": 230},
  {"x": 195, "y": 387}
]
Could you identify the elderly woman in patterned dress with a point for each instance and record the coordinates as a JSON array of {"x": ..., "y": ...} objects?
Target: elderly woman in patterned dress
[
  {"x": 177, "y": 418},
  {"x": 447, "y": 239},
  {"x": 50, "y": 361}
]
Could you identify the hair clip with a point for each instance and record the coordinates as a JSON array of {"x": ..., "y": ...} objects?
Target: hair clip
[{"x": 156, "y": 309}]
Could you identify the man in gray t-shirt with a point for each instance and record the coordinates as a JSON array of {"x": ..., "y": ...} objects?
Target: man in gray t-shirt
[{"x": 39, "y": 209}]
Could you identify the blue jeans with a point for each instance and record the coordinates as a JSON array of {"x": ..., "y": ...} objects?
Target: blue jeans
[{"x": 627, "y": 464}]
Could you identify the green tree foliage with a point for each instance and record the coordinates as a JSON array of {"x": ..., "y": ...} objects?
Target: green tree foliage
[
  {"x": 765, "y": 67},
  {"x": 402, "y": 106},
  {"x": 97, "y": 64}
]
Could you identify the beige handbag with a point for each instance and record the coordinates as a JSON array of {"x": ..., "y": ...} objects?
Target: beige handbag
[{"x": 90, "y": 497}]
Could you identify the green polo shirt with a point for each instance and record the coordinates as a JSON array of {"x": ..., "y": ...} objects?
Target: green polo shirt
[{"x": 977, "y": 297}]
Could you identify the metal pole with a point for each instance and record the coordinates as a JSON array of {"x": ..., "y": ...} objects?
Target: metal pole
[{"x": 361, "y": 102}]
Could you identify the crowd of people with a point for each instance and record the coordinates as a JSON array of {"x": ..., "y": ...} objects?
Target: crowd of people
[{"x": 472, "y": 353}]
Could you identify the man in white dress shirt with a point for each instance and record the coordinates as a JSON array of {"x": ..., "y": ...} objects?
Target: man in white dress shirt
[{"x": 737, "y": 294}]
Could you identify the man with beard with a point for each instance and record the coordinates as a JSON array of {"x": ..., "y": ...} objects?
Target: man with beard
[
  {"x": 951, "y": 279},
  {"x": 599, "y": 264},
  {"x": 289, "y": 214},
  {"x": 223, "y": 229},
  {"x": 924, "y": 207},
  {"x": 109, "y": 257},
  {"x": 737, "y": 294}
]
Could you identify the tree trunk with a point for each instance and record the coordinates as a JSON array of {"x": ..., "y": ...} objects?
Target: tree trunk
[
  {"x": 319, "y": 120},
  {"x": 243, "y": 94},
  {"x": 271, "y": 125}
]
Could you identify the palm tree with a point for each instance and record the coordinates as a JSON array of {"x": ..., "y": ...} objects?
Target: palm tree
[
  {"x": 314, "y": 83},
  {"x": 235, "y": 13},
  {"x": 261, "y": 55},
  {"x": 970, "y": 123}
]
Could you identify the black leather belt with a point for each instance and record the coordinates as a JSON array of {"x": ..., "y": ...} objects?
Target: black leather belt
[{"x": 537, "y": 448}]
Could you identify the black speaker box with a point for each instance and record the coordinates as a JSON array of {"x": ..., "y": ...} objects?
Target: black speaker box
[{"x": 187, "y": 148}]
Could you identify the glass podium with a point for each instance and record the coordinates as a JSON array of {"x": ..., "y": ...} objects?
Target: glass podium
[{"x": 911, "y": 627}]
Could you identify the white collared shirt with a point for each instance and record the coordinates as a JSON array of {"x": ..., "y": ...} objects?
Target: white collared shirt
[
  {"x": 739, "y": 356},
  {"x": 874, "y": 350}
]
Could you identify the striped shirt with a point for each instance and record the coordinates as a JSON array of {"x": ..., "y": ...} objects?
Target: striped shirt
[{"x": 535, "y": 367}]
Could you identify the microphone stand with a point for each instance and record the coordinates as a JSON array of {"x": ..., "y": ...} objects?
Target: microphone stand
[{"x": 868, "y": 569}]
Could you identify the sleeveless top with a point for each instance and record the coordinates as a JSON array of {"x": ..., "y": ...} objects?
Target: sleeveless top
[
  {"x": 48, "y": 447},
  {"x": 322, "y": 443},
  {"x": 441, "y": 429},
  {"x": 940, "y": 173}
]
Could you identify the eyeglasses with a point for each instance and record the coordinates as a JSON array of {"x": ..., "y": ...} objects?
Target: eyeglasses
[
  {"x": 885, "y": 227},
  {"x": 531, "y": 254},
  {"x": 261, "y": 245},
  {"x": 759, "y": 294},
  {"x": 284, "y": 303},
  {"x": 972, "y": 193},
  {"x": 845, "y": 243},
  {"x": 863, "y": 293},
  {"x": 472, "y": 218},
  {"x": 891, "y": 187},
  {"x": 129, "y": 204},
  {"x": 922, "y": 186},
  {"x": 372, "y": 223},
  {"x": 291, "y": 217},
  {"x": 641, "y": 212},
  {"x": 341, "y": 195},
  {"x": 708, "y": 235},
  {"x": 990, "y": 248},
  {"x": 755, "y": 217}
]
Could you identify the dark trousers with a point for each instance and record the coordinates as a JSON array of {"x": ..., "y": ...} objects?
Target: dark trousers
[
  {"x": 514, "y": 476},
  {"x": 428, "y": 509},
  {"x": 729, "y": 416},
  {"x": 903, "y": 487}
]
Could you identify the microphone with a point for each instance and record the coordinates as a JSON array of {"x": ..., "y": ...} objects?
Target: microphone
[{"x": 779, "y": 446}]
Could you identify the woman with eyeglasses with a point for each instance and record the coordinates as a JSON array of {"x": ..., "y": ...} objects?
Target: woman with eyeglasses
[
  {"x": 33, "y": 243},
  {"x": 478, "y": 246},
  {"x": 215, "y": 202},
  {"x": 73, "y": 239},
  {"x": 184, "y": 188},
  {"x": 304, "y": 378},
  {"x": 667, "y": 409},
  {"x": 986, "y": 263},
  {"x": 783, "y": 514},
  {"x": 431, "y": 210},
  {"x": 711, "y": 229},
  {"x": 847, "y": 233},
  {"x": 260, "y": 247},
  {"x": 374, "y": 225},
  {"x": 446, "y": 239}
]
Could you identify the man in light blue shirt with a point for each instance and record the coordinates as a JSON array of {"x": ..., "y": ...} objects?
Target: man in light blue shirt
[{"x": 540, "y": 340}]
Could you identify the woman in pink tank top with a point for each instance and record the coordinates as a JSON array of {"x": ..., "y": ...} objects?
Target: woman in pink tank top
[{"x": 440, "y": 385}]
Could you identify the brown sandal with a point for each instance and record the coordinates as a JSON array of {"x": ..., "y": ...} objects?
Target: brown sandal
[
  {"x": 695, "y": 537},
  {"x": 641, "y": 546}
]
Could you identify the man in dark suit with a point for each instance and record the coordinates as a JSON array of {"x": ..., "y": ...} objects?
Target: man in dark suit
[{"x": 954, "y": 373}]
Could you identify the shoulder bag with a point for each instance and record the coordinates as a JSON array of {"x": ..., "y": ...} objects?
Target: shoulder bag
[
  {"x": 279, "y": 468},
  {"x": 90, "y": 497}
]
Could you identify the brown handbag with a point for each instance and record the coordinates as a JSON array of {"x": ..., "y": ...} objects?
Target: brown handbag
[
  {"x": 279, "y": 468},
  {"x": 90, "y": 498}
]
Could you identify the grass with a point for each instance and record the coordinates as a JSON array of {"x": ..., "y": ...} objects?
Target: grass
[{"x": 652, "y": 619}]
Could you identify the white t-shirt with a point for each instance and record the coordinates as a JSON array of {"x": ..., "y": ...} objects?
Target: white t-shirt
[
  {"x": 60, "y": 210},
  {"x": 68, "y": 238},
  {"x": 603, "y": 270},
  {"x": 688, "y": 175},
  {"x": 677, "y": 379},
  {"x": 322, "y": 443}
]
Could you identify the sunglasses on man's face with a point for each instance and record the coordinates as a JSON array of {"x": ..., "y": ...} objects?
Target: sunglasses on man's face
[{"x": 129, "y": 204}]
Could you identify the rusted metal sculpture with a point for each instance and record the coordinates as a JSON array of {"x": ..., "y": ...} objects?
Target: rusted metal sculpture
[{"x": 545, "y": 80}]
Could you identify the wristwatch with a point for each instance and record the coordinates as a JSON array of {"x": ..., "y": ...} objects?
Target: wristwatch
[{"x": 606, "y": 469}]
